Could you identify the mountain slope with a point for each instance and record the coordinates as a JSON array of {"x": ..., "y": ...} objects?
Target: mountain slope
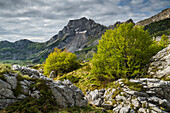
[
  {"x": 19, "y": 50},
  {"x": 75, "y": 36},
  {"x": 160, "y": 16},
  {"x": 159, "y": 28}
]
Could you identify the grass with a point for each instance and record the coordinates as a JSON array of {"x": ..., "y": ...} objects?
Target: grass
[
  {"x": 133, "y": 86},
  {"x": 5, "y": 69},
  {"x": 87, "y": 109},
  {"x": 11, "y": 62}
]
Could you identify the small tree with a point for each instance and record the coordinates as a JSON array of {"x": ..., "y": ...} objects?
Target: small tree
[
  {"x": 164, "y": 41},
  {"x": 60, "y": 62},
  {"x": 122, "y": 52}
]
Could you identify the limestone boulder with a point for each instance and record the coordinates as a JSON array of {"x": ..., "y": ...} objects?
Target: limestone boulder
[{"x": 160, "y": 64}]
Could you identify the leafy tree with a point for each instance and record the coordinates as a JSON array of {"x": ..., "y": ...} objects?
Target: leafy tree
[
  {"x": 123, "y": 52},
  {"x": 60, "y": 62},
  {"x": 164, "y": 40}
]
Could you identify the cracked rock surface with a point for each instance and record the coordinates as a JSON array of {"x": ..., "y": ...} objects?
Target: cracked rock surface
[{"x": 64, "y": 92}]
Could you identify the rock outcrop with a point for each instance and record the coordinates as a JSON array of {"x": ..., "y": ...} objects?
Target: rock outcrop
[
  {"x": 118, "y": 22},
  {"x": 153, "y": 99},
  {"x": 77, "y": 34},
  {"x": 160, "y": 16},
  {"x": 13, "y": 89},
  {"x": 160, "y": 64}
]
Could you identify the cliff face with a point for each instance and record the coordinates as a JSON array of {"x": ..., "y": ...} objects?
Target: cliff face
[
  {"x": 160, "y": 16},
  {"x": 78, "y": 34}
]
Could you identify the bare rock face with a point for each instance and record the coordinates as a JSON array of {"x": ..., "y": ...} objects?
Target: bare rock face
[
  {"x": 77, "y": 34},
  {"x": 160, "y": 16},
  {"x": 160, "y": 64},
  {"x": 64, "y": 92}
]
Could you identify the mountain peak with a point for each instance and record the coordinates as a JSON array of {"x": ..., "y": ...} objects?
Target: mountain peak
[{"x": 118, "y": 22}]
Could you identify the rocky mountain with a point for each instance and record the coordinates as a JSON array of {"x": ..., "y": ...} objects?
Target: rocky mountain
[
  {"x": 118, "y": 22},
  {"x": 75, "y": 36},
  {"x": 79, "y": 36},
  {"x": 160, "y": 16}
]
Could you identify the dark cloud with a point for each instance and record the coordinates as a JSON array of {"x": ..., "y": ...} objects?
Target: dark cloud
[{"x": 39, "y": 20}]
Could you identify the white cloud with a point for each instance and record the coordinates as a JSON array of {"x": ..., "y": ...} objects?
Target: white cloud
[{"x": 39, "y": 20}]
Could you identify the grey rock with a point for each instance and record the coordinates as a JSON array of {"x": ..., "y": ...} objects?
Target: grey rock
[
  {"x": 120, "y": 98},
  {"x": 142, "y": 98},
  {"x": 25, "y": 89},
  {"x": 135, "y": 102},
  {"x": 4, "y": 85},
  {"x": 66, "y": 95},
  {"x": 35, "y": 94},
  {"x": 7, "y": 93},
  {"x": 52, "y": 74},
  {"x": 31, "y": 72},
  {"x": 73, "y": 87},
  {"x": 34, "y": 76},
  {"x": 59, "y": 98},
  {"x": 157, "y": 110},
  {"x": 142, "y": 110},
  {"x": 67, "y": 82},
  {"x": 94, "y": 94},
  {"x": 108, "y": 93},
  {"x": 159, "y": 65},
  {"x": 117, "y": 109},
  {"x": 125, "y": 109},
  {"x": 21, "y": 96},
  {"x": 16, "y": 67},
  {"x": 11, "y": 80},
  {"x": 97, "y": 102},
  {"x": 5, "y": 102}
]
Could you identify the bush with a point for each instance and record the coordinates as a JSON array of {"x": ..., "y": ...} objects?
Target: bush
[
  {"x": 123, "y": 52},
  {"x": 164, "y": 41},
  {"x": 60, "y": 62}
]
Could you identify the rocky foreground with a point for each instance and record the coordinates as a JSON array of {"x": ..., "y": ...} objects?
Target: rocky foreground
[
  {"x": 154, "y": 98},
  {"x": 142, "y": 95},
  {"x": 64, "y": 92}
]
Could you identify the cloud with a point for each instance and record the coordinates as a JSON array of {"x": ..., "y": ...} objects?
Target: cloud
[{"x": 39, "y": 20}]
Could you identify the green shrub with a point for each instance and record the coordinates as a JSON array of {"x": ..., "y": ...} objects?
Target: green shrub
[
  {"x": 164, "y": 41},
  {"x": 60, "y": 62},
  {"x": 123, "y": 52}
]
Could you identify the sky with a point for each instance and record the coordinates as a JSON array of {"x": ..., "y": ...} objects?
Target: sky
[{"x": 39, "y": 20}]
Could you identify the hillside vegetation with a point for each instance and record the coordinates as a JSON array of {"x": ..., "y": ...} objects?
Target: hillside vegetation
[{"x": 159, "y": 28}]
